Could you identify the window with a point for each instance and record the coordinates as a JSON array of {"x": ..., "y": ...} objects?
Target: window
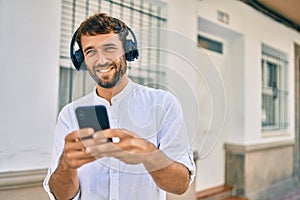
[
  {"x": 274, "y": 89},
  {"x": 210, "y": 44},
  {"x": 137, "y": 14}
]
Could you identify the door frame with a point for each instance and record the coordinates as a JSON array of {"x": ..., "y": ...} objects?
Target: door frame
[{"x": 297, "y": 112}]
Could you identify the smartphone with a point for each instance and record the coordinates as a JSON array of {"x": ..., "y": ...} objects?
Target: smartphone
[{"x": 92, "y": 117}]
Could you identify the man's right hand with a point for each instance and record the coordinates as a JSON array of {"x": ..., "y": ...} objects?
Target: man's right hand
[
  {"x": 74, "y": 154},
  {"x": 64, "y": 183}
]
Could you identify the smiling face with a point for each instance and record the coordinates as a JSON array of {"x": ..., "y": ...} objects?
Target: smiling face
[{"x": 104, "y": 58}]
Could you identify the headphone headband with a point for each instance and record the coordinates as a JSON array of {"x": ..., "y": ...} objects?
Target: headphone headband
[{"x": 77, "y": 57}]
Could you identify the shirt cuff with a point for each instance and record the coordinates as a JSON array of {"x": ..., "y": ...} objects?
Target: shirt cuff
[
  {"x": 188, "y": 162},
  {"x": 48, "y": 190},
  {"x": 77, "y": 196}
]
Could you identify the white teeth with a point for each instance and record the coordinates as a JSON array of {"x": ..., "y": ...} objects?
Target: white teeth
[{"x": 104, "y": 70}]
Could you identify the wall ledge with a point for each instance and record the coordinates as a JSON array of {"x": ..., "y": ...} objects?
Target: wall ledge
[
  {"x": 21, "y": 179},
  {"x": 238, "y": 148}
]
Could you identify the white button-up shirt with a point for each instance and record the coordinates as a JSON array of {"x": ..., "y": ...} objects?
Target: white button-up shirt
[{"x": 154, "y": 115}]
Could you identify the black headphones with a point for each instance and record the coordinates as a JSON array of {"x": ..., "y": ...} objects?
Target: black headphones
[{"x": 130, "y": 48}]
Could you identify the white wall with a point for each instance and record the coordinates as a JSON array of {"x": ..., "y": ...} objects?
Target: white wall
[
  {"x": 181, "y": 47},
  {"x": 29, "y": 52},
  {"x": 240, "y": 71},
  {"x": 198, "y": 84},
  {"x": 256, "y": 28}
]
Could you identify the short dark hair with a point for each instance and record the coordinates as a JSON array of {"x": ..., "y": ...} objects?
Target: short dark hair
[{"x": 101, "y": 23}]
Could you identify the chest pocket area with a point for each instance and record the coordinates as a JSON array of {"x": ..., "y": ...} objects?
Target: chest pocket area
[{"x": 142, "y": 120}]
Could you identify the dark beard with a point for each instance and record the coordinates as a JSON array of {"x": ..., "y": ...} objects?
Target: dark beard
[
  {"x": 109, "y": 84},
  {"x": 116, "y": 78}
]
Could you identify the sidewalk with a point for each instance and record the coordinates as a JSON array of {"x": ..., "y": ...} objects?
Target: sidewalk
[
  {"x": 291, "y": 195},
  {"x": 30, "y": 193}
]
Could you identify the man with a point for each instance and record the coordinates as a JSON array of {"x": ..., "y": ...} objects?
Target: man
[{"x": 151, "y": 156}]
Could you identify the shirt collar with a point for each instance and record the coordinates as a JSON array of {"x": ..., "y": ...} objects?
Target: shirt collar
[{"x": 126, "y": 90}]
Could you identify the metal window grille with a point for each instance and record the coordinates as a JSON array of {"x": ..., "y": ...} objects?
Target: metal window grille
[
  {"x": 137, "y": 14},
  {"x": 274, "y": 89}
]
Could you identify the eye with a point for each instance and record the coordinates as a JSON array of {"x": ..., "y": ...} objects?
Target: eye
[
  {"x": 110, "y": 49},
  {"x": 91, "y": 52}
]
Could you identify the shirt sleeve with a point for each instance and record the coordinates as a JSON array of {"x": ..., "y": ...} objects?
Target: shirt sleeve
[
  {"x": 173, "y": 139},
  {"x": 61, "y": 130}
]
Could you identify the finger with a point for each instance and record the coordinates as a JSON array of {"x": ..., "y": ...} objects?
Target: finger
[
  {"x": 77, "y": 155},
  {"x": 74, "y": 146},
  {"x": 78, "y": 134},
  {"x": 75, "y": 160},
  {"x": 105, "y": 149},
  {"x": 104, "y": 136},
  {"x": 85, "y": 133},
  {"x": 94, "y": 142},
  {"x": 95, "y": 139},
  {"x": 72, "y": 137},
  {"x": 100, "y": 134}
]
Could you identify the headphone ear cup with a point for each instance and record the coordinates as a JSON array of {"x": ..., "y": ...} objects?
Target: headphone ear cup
[
  {"x": 128, "y": 50},
  {"x": 131, "y": 51},
  {"x": 135, "y": 52},
  {"x": 80, "y": 60},
  {"x": 77, "y": 57}
]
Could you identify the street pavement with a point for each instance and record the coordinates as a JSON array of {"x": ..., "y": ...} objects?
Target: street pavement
[{"x": 291, "y": 195}]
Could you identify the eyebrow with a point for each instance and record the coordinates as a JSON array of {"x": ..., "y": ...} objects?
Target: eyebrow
[
  {"x": 88, "y": 48},
  {"x": 105, "y": 45},
  {"x": 109, "y": 45}
]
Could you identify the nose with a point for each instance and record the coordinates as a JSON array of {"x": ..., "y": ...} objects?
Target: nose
[{"x": 101, "y": 59}]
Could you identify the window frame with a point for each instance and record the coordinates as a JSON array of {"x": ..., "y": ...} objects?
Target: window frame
[{"x": 277, "y": 94}]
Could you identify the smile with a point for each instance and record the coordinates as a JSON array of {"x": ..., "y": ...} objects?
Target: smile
[{"x": 105, "y": 70}]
